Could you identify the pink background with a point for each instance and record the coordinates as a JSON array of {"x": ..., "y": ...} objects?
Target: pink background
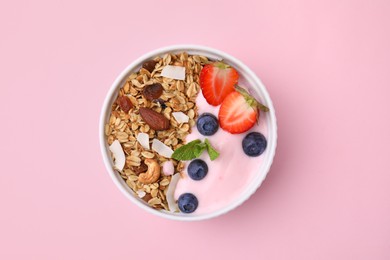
[{"x": 326, "y": 65}]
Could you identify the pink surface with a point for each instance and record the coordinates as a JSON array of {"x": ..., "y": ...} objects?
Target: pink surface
[{"x": 326, "y": 65}]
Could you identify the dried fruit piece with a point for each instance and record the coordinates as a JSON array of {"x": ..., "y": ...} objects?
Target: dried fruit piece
[
  {"x": 140, "y": 169},
  {"x": 125, "y": 103},
  {"x": 149, "y": 65},
  {"x": 153, "y": 91},
  {"x": 155, "y": 120}
]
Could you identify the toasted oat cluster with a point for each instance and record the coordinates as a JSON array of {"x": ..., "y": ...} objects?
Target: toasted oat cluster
[{"x": 148, "y": 96}]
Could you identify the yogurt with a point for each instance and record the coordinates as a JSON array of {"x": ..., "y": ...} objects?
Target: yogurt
[{"x": 230, "y": 174}]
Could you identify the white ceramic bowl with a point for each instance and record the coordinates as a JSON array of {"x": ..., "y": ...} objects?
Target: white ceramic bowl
[{"x": 250, "y": 80}]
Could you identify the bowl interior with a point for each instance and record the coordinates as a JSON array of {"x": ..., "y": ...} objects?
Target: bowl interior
[{"x": 247, "y": 78}]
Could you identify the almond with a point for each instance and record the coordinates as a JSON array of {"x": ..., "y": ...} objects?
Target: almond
[{"x": 155, "y": 120}]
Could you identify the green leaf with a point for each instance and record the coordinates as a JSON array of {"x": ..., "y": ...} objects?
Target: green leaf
[
  {"x": 212, "y": 152},
  {"x": 263, "y": 108},
  {"x": 193, "y": 150},
  {"x": 251, "y": 100},
  {"x": 188, "y": 151},
  {"x": 198, "y": 149}
]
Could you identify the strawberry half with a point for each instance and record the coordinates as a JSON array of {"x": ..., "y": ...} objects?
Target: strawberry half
[
  {"x": 217, "y": 80},
  {"x": 239, "y": 112}
]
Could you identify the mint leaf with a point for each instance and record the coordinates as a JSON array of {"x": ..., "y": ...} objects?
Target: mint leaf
[
  {"x": 212, "y": 152},
  {"x": 188, "y": 151},
  {"x": 193, "y": 150},
  {"x": 198, "y": 149}
]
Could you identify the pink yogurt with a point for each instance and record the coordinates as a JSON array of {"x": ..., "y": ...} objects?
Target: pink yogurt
[{"x": 229, "y": 175}]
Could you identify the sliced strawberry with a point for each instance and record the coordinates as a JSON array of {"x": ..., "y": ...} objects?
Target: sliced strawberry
[
  {"x": 239, "y": 112},
  {"x": 217, "y": 80}
]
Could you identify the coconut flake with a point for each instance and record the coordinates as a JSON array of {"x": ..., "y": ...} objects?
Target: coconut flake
[
  {"x": 168, "y": 168},
  {"x": 180, "y": 117},
  {"x": 143, "y": 139},
  {"x": 172, "y": 205},
  {"x": 141, "y": 193},
  {"x": 174, "y": 72},
  {"x": 118, "y": 154},
  {"x": 161, "y": 148}
]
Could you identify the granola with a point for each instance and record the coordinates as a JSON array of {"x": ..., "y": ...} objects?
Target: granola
[{"x": 126, "y": 123}]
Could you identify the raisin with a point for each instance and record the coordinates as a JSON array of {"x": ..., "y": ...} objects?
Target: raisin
[
  {"x": 149, "y": 65},
  {"x": 125, "y": 103},
  {"x": 153, "y": 91}
]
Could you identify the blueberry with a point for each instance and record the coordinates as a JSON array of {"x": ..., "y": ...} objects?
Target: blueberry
[
  {"x": 187, "y": 203},
  {"x": 197, "y": 169},
  {"x": 254, "y": 144},
  {"x": 207, "y": 124}
]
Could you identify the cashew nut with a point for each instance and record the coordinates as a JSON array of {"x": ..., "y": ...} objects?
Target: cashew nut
[{"x": 152, "y": 174}]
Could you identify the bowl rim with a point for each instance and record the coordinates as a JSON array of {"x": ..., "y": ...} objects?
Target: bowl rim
[{"x": 271, "y": 143}]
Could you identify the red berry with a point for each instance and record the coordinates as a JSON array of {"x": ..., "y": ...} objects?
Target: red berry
[
  {"x": 217, "y": 80},
  {"x": 239, "y": 112}
]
